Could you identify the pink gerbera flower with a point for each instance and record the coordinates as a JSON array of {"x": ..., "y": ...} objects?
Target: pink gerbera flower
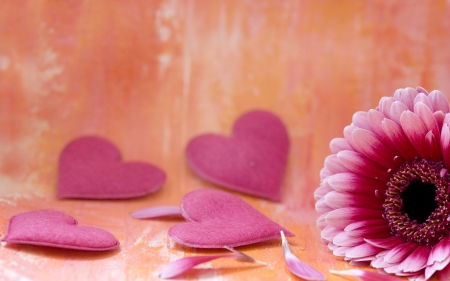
[{"x": 385, "y": 190}]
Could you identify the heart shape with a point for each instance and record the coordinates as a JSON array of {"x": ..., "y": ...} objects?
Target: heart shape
[
  {"x": 217, "y": 219},
  {"x": 91, "y": 168},
  {"x": 56, "y": 229},
  {"x": 251, "y": 161}
]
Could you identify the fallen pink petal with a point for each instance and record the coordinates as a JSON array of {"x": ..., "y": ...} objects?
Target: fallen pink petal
[
  {"x": 296, "y": 266},
  {"x": 383, "y": 196},
  {"x": 365, "y": 275},
  {"x": 184, "y": 264},
  {"x": 155, "y": 212}
]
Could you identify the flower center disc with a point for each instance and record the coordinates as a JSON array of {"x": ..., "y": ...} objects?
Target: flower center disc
[
  {"x": 416, "y": 202},
  {"x": 419, "y": 200}
]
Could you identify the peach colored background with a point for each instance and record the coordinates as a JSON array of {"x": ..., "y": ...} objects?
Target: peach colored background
[{"x": 150, "y": 75}]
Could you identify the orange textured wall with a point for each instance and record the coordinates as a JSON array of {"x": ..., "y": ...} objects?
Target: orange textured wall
[{"x": 150, "y": 75}]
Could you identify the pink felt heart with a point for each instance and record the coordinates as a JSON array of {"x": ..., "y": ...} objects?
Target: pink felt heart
[
  {"x": 251, "y": 161},
  {"x": 91, "y": 168},
  {"x": 217, "y": 219},
  {"x": 56, "y": 229}
]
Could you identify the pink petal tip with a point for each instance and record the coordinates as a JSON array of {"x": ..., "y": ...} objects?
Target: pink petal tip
[
  {"x": 155, "y": 212},
  {"x": 296, "y": 266},
  {"x": 184, "y": 264}
]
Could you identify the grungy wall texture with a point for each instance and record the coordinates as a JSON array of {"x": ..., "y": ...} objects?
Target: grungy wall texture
[{"x": 151, "y": 75}]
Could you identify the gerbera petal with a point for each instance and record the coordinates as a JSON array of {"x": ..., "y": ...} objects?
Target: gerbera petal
[
  {"x": 426, "y": 115},
  {"x": 439, "y": 101},
  {"x": 360, "y": 120},
  {"x": 367, "y": 260},
  {"x": 421, "y": 97},
  {"x": 182, "y": 265},
  {"x": 375, "y": 118},
  {"x": 349, "y": 182},
  {"x": 331, "y": 246},
  {"x": 296, "y": 266},
  {"x": 382, "y": 253},
  {"x": 368, "y": 229},
  {"x": 339, "y": 144},
  {"x": 371, "y": 146},
  {"x": 360, "y": 164},
  {"x": 379, "y": 262},
  {"x": 415, "y": 131},
  {"x": 398, "y": 139},
  {"x": 340, "y": 251},
  {"x": 321, "y": 221},
  {"x": 416, "y": 260},
  {"x": 439, "y": 257},
  {"x": 400, "y": 252},
  {"x": 333, "y": 164},
  {"x": 439, "y": 116},
  {"x": 445, "y": 144},
  {"x": 363, "y": 250},
  {"x": 365, "y": 275},
  {"x": 420, "y": 89},
  {"x": 329, "y": 232},
  {"x": 386, "y": 243},
  {"x": 444, "y": 275},
  {"x": 385, "y": 105},
  {"x": 440, "y": 251},
  {"x": 154, "y": 212},
  {"x": 433, "y": 147},
  {"x": 322, "y": 207},
  {"x": 345, "y": 240},
  {"x": 324, "y": 173},
  {"x": 406, "y": 96},
  {"x": 437, "y": 266},
  {"x": 340, "y": 218},
  {"x": 416, "y": 277},
  {"x": 337, "y": 200},
  {"x": 397, "y": 108},
  {"x": 322, "y": 191},
  {"x": 348, "y": 131},
  {"x": 393, "y": 269}
]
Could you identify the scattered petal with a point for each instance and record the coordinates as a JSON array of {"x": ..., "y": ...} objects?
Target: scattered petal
[
  {"x": 155, "y": 212},
  {"x": 296, "y": 266},
  {"x": 184, "y": 264},
  {"x": 365, "y": 275}
]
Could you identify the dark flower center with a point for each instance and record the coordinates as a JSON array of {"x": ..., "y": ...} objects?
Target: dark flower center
[{"x": 417, "y": 202}]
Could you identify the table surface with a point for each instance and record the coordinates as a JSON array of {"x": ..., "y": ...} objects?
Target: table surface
[{"x": 151, "y": 75}]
